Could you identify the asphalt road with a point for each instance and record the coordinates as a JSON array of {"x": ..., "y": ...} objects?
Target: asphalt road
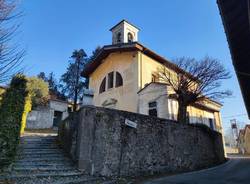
[{"x": 234, "y": 171}]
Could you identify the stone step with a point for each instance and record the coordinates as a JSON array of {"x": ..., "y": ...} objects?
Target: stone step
[
  {"x": 43, "y": 174},
  {"x": 39, "y": 136},
  {"x": 34, "y": 143},
  {"x": 39, "y": 150},
  {"x": 39, "y": 142},
  {"x": 42, "y": 159},
  {"x": 37, "y": 158},
  {"x": 29, "y": 153},
  {"x": 42, "y": 154},
  {"x": 35, "y": 169},
  {"x": 38, "y": 146},
  {"x": 58, "y": 180},
  {"x": 80, "y": 181},
  {"x": 43, "y": 164},
  {"x": 67, "y": 163},
  {"x": 38, "y": 139}
]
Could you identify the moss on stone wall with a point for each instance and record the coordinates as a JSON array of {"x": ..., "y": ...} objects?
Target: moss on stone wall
[{"x": 13, "y": 111}]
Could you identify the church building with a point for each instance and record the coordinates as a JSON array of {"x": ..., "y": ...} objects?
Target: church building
[{"x": 123, "y": 76}]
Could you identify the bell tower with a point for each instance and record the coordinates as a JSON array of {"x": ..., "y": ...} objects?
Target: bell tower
[{"x": 124, "y": 32}]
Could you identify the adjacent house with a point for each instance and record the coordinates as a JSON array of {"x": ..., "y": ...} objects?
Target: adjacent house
[
  {"x": 123, "y": 76},
  {"x": 48, "y": 116},
  {"x": 156, "y": 99},
  {"x": 244, "y": 140}
]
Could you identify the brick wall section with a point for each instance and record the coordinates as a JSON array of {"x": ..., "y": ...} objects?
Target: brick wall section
[{"x": 101, "y": 144}]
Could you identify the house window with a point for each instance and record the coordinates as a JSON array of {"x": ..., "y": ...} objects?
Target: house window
[
  {"x": 130, "y": 37},
  {"x": 118, "y": 79},
  {"x": 173, "y": 107},
  {"x": 103, "y": 85},
  {"x": 110, "y": 80},
  {"x": 211, "y": 123},
  {"x": 152, "y": 109},
  {"x": 119, "y": 37},
  {"x": 201, "y": 119}
]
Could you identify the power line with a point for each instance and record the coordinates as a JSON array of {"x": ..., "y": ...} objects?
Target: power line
[{"x": 237, "y": 115}]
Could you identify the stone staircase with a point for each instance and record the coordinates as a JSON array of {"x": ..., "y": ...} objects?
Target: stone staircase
[{"x": 40, "y": 160}]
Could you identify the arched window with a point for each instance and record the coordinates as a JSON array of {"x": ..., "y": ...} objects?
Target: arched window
[
  {"x": 103, "y": 85},
  {"x": 130, "y": 37},
  {"x": 118, "y": 39},
  {"x": 118, "y": 81},
  {"x": 110, "y": 80}
]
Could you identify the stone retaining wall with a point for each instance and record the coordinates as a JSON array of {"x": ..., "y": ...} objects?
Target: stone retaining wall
[{"x": 101, "y": 143}]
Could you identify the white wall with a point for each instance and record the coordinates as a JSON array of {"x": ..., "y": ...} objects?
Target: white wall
[
  {"x": 59, "y": 106},
  {"x": 42, "y": 117},
  {"x": 154, "y": 92}
]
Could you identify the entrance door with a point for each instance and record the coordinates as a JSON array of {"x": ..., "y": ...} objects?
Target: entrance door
[
  {"x": 211, "y": 123},
  {"x": 57, "y": 118}
]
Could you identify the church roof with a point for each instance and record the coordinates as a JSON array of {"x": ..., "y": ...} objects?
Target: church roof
[
  {"x": 126, "y": 47},
  {"x": 122, "y": 22},
  {"x": 150, "y": 84}
]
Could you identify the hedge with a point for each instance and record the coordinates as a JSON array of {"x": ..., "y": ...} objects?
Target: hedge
[{"x": 14, "y": 107}]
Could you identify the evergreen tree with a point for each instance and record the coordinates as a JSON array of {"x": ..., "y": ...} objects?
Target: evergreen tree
[
  {"x": 42, "y": 76},
  {"x": 72, "y": 84},
  {"x": 53, "y": 86}
]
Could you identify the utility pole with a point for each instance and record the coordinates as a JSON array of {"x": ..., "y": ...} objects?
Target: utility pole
[{"x": 234, "y": 128}]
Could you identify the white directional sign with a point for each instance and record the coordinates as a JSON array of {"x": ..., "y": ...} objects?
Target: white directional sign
[{"x": 130, "y": 123}]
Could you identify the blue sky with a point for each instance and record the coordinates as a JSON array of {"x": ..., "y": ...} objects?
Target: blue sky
[{"x": 51, "y": 30}]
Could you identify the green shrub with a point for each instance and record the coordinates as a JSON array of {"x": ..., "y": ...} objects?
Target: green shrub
[
  {"x": 38, "y": 90},
  {"x": 27, "y": 109},
  {"x": 2, "y": 90},
  {"x": 13, "y": 111}
]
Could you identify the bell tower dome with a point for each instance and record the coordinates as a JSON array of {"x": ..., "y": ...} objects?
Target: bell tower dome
[{"x": 124, "y": 32}]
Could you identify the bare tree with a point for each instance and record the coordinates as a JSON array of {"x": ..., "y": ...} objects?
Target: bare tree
[
  {"x": 10, "y": 54},
  {"x": 195, "y": 82}
]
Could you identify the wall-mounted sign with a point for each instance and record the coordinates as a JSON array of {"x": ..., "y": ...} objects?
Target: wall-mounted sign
[{"x": 130, "y": 123}]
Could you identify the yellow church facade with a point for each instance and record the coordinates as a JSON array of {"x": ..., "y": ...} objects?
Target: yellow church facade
[{"x": 122, "y": 76}]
